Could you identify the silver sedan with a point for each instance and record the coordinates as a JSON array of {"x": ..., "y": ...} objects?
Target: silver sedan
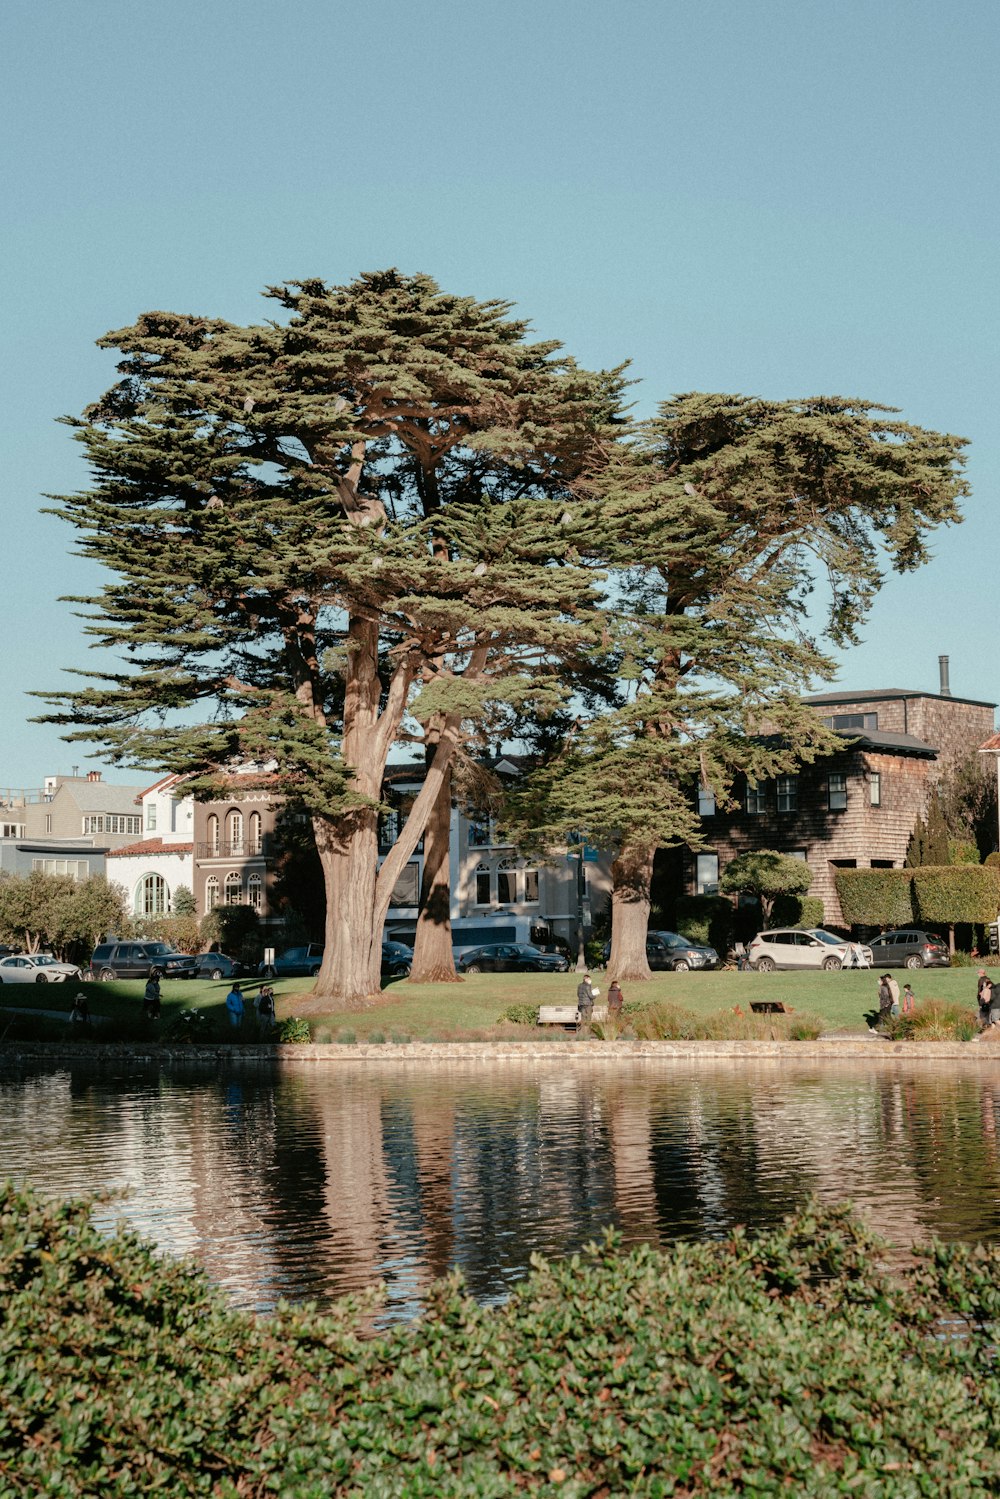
[{"x": 36, "y": 968}]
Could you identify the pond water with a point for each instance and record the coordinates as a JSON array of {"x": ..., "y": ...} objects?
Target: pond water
[{"x": 307, "y": 1181}]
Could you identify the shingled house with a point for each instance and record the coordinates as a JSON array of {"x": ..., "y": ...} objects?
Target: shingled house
[{"x": 857, "y": 808}]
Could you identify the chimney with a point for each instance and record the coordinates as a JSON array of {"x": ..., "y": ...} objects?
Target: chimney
[
  {"x": 95, "y": 775},
  {"x": 943, "y": 669}
]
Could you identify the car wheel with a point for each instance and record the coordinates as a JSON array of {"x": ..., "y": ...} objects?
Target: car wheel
[
  {"x": 107, "y": 975},
  {"x": 765, "y": 965},
  {"x": 402, "y": 972},
  {"x": 914, "y": 960},
  {"x": 472, "y": 968},
  {"x": 40, "y": 978},
  {"x": 830, "y": 965},
  {"x": 216, "y": 973},
  {"x": 682, "y": 966},
  {"x": 313, "y": 972}
]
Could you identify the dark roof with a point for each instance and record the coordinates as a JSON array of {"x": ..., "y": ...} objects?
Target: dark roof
[
  {"x": 874, "y": 695},
  {"x": 890, "y": 744}
]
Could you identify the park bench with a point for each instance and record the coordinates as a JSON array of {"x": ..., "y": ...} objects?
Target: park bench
[{"x": 567, "y": 1015}]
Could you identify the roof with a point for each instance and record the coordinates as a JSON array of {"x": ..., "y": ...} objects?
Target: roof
[
  {"x": 992, "y": 744},
  {"x": 100, "y": 796},
  {"x": 160, "y": 785},
  {"x": 877, "y": 694},
  {"x": 149, "y": 846},
  {"x": 890, "y": 744}
]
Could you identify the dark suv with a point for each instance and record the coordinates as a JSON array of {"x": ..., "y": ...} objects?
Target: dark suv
[
  {"x": 909, "y": 948},
  {"x": 674, "y": 953},
  {"x": 140, "y": 960}
]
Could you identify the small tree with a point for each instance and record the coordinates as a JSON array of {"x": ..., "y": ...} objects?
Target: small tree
[
  {"x": 34, "y": 909},
  {"x": 184, "y": 901},
  {"x": 766, "y": 874},
  {"x": 236, "y": 929}
]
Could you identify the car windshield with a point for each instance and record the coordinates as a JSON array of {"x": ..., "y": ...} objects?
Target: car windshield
[
  {"x": 157, "y": 949},
  {"x": 44, "y": 958},
  {"x": 527, "y": 951},
  {"x": 822, "y": 936},
  {"x": 933, "y": 937}
]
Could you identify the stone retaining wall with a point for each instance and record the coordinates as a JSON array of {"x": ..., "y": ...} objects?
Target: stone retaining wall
[{"x": 600, "y": 1053}]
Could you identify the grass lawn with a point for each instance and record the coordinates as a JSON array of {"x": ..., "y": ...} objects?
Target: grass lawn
[{"x": 454, "y": 1011}]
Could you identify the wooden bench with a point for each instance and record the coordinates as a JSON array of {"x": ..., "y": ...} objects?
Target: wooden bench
[
  {"x": 768, "y": 1007},
  {"x": 567, "y": 1015}
]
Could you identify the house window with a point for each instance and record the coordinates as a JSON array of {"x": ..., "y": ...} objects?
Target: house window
[
  {"x": 852, "y": 721},
  {"x": 531, "y": 887},
  {"x": 756, "y": 802},
  {"x": 480, "y": 832},
  {"x": 836, "y": 792},
  {"x": 406, "y": 891},
  {"x": 706, "y": 801},
  {"x": 506, "y": 884},
  {"x": 235, "y": 830},
  {"x": 234, "y": 889},
  {"x": 211, "y": 893},
  {"x": 77, "y": 869},
  {"x": 152, "y": 896},
  {"x": 707, "y": 874},
  {"x": 150, "y": 817},
  {"x": 875, "y": 788},
  {"x": 256, "y": 840},
  {"x": 788, "y": 793},
  {"x": 48, "y": 822},
  {"x": 254, "y": 892},
  {"x": 134, "y": 824},
  {"x": 483, "y": 893},
  {"x": 213, "y": 833}
]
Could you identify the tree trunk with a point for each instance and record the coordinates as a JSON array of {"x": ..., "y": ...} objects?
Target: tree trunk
[
  {"x": 352, "y": 957},
  {"x": 433, "y": 958},
  {"x": 631, "y": 876}
]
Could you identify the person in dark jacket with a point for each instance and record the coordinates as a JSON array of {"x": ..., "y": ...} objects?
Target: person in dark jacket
[{"x": 585, "y": 996}]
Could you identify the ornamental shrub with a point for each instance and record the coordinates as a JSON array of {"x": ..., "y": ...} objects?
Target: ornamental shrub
[
  {"x": 294, "y": 1030},
  {"x": 706, "y": 919},
  {"x": 875, "y": 897},
  {"x": 945, "y": 894},
  {"x": 798, "y": 910},
  {"x": 519, "y": 1015},
  {"x": 795, "y": 1362}
]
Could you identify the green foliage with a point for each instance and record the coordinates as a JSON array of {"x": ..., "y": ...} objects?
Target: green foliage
[
  {"x": 960, "y": 851},
  {"x": 184, "y": 901},
  {"x": 670, "y": 1022},
  {"x": 295, "y": 1031},
  {"x": 929, "y": 841},
  {"x": 54, "y": 911},
  {"x": 519, "y": 1015},
  {"x": 181, "y": 932},
  {"x": 767, "y": 874},
  {"x": 705, "y": 918},
  {"x": 934, "y": 1020},
  {"x": 237, "y": 931},
  {"x": 797, "y": 910},
  {"x": 950, "y": 893},
  {"x": 766, "y": 1364},
  {"x": 875, "y": 897}
]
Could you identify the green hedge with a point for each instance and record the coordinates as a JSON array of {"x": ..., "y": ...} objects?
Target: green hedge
[
  {"x": 797, "y": 1362},
  {"x": 705, "y": 918},
  {"x": 797, "y": 910},
  {"x": 875, "y": 897},
  {"x": 949, "y": 893}
]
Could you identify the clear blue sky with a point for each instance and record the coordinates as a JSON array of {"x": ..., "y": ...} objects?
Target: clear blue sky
[{"x": 779, "y": 197}]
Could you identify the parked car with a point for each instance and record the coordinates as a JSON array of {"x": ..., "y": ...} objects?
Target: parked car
[
  {"x": 35, "y": 968},
  {"x": 672, "y": 953},
  {"x": 218, "y": 965},
  {"x": 397, "y": 960},
  {"x": 910, "y": 949},
  {"x": 790, "y": 947},
  {"x": 299, "y": 962},
  {"x": 511, "y": 957},
  {"x": 140, "y": 960}
]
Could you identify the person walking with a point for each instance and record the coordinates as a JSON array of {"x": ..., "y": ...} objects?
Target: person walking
[
  {"x": 79, "y": 1015},
  {"x": 151, "y": 998},
  {"x": 908, "y": 1002},
  {"x": 615, "y": 1000},
  {"x": 586, "y": 993},
  {"x": 984, "y": 997},
  {"x": 265, "y": 1007},
  {"x": 234, "y": 1005}
]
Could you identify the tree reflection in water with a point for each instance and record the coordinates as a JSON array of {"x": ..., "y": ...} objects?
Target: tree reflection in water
[{"x": 310, "y": 1181}]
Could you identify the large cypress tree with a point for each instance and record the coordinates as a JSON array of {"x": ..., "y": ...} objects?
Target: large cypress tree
[
  {"x": 722, "y": 524},
  {"x": 324, "y": 532}
]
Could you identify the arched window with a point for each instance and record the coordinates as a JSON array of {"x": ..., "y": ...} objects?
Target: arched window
[
  {"x": 483, "y": 895},
  {"x": 234, "y": 889},
  {"x": 211, "y": 893},
  {"x": 234, "y": 824},
  {"x": 213, "y": 834},
  {"x": 531, "y": 887},
  {"x": 254, "y": 891},
  {"x": 506, "y": 882},
  {"x": 151, "y": 896},
  {"x": 256, "y": 841}
]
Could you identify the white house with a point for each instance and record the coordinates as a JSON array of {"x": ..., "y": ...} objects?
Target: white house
[{"x": 151, "y": 870}]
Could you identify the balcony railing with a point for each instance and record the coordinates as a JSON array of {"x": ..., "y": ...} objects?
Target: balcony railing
[{"x": 235, "y": 848}]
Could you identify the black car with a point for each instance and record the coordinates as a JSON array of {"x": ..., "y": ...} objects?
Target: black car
[
  {"x": 218, "y": 965},
  {"x": 511, "y": 957},
  {"x": 909, "y": 948},
  {"x": 140, "y": 960},
  {"x": 299, "y": 962},
  {"x": 397, "y": 959},
  {"x": 672, "y": 953}
]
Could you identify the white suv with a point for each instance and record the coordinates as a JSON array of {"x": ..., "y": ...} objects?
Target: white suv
[{"x": 790, "y": 947}]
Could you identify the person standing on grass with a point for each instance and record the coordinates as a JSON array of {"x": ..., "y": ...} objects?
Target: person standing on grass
[
  {"x": 151, "y": 998},
  {"x": 585, "y": 996},
  {"x": 984, "y": 997},
  {"x": 234, "y": 1005},
  {"x": 908, "y": 1001},
  {"x": 615, "y": 1000}
]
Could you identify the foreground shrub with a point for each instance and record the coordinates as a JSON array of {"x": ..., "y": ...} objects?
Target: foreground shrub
[
  {"x": 294, "y": 1030},
  {"x": 795, "y": 1363},
  {"x": 934, "y": 1020},
  {"x": 519, "y": 1015}
]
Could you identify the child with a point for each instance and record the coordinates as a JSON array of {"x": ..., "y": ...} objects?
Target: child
[{"x": 909, "y": 1000}]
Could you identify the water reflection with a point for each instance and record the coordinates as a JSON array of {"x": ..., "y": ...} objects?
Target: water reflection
[{"x": 311, "y": 1182}]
